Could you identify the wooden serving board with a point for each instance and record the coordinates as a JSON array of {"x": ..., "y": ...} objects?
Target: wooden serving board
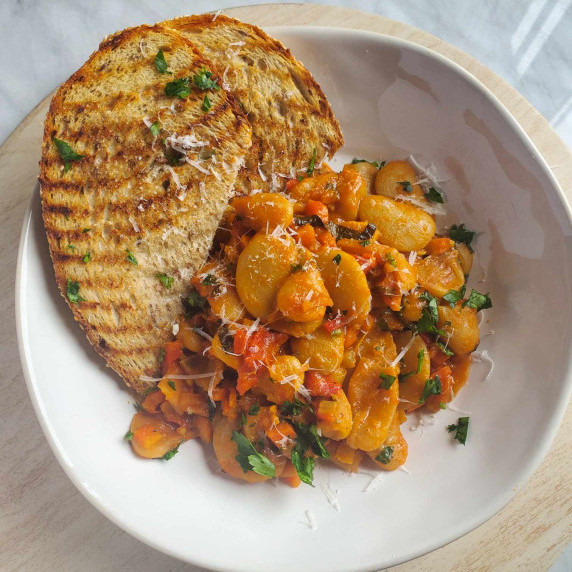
[{"x": 45, "y": 524}]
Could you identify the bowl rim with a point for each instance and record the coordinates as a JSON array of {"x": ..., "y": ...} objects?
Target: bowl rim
[{"x": 490, "y": 510}]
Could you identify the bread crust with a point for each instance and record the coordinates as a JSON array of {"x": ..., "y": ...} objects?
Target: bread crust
[
  {"x": 288, "y": 111},
  {"x": 123, "y": 203}
]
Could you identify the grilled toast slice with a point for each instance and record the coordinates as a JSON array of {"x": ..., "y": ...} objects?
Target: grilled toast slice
[
  {"x": 131, "y": 205},
  {"x": 289, "y": 114}
]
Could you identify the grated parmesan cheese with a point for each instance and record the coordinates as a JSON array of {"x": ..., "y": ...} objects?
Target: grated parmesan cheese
[
  {"x": 373, "y": 484},
  {"x": 175, "y": 328},
  {"x": 149, "y": 379},
  {"x": 484, "y": 357},
  {"x": 217, "y": 14},
  {"x": 331, "y": 496},
  {"x": 311, "y": 524},
  {"x": 402, "y": 352}
]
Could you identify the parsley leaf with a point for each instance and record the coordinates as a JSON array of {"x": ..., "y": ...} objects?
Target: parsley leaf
[
  {"x": 167, "y": 281},
  {"x": 355, "y": 160},
  {"x": 72, "y": 291},
  {"x": 391, "y": 260},
  {"x": 203, "y": 80},
  {"x": 406, "y": 186},
  {"x": 70, "y": 247},
  {"x": 66, "y": 153},
  {"x": 161, "y": 63},
  {"x": 128, "y": 436},
  {"x": 478, "y": 301},
  {"x": 293, "y": 408},
  {"x": 131, "y": 258},
  {"x": 304, "y": 465},
  {"x": 385, "y": 455},
  {"x": 461, "y": 429},
  {"x": 461, "y": 234},
  {"x": 170, "y": 454},
  {"x": 206, "y": 103},
  {"x": 296, "y": 268},
  {"x": 432, "y": 387},
  {"x": 209, "y": 280},
  {"x": 243, "y": 420},
  {"x": 337, "y": 259},
  {"x": 310, "y": 170},
  {"x": 420, "y": 358},
  {"x": 155, "y": 129},
  {"x": 434, "y": 195},
  {"x": 87, "y": 256},
  {"x": 308, "y": 437},
  {"x": 172, "y": 385},
  {"x": 86, "y": 230},
  {"x": 254, "y": 409},
  {"x": 194, "y": 303},
  {"x": 387, "y": 381},
  {"x": 180, "y": 88},
  {"x": 445, "y": 349},
  {"x": 427, "y": 324},
  {"x": 250, "y": 459},
  {"x": 453, "y": 296}
]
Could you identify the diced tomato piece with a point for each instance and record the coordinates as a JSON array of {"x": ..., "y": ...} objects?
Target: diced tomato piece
[
  {"x": 277, "y": 433},
  {"x": 320, "y": 385},
  {"x": 152, "y": 401},
  {"x": 291, "y": 183},
  {"x": 307, "y": 236},
  {"x": 334, "y": 324},
  {"x": 367, "y": 263},
  {"x": 173, "y": 351},
  {"x": 317, "y": 208}
]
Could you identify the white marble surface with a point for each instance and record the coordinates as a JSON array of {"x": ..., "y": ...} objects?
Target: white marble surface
[{"x": 527, "y": 42}]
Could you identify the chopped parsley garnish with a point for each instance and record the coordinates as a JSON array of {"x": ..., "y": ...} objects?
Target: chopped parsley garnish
[
  {"x": 180, "y": 88},
  {"x": 254, "y": 409},
  {"x": 461, "y": 234},
  {"x": 86, "y": 230},
  {"x": 461, "y": 429},
  {"x": 172, "y": 385},
  {"x": 206, "y": 103},
  {"x": 445, "y": 349},
  {"x": 167, "y": 281},
  {"x": 296, "y": 268},
  {"x": 250, "y": 459},
  {"x": 308, "y": 437},
  {"x": 87, "y": 256},
  {"x": 170, "y": 454},
  {"x": 310, "y": 170},
  {"x": 243, "y": 420},
  {"x": 478, "y": 301},
  {"x": 427, "y": 324},
  {"x": 432, "y": 387},
  {"x": 435, "y": 195},
  {"x": 386, "y": 381},
  {"x": 72, "y": 291},
  {"x": 391, "y": 260},
  {"x": 365, "y": 243},
  {"x": 442, "y": 405},
  {"x": 203, "y": 80},
  {"x": 209, "y": 280},
  {"x": 293, "y": 408},
  {"x": 128, "y": 436},
  {"x": 453, "y": 296},
  {"x": 70, "y": 247},
  {"x": 194, "y": 303},
  {"x": 155, "y": 129},
  {"x": 161, "y": 63},
  {"x": 335, "y": 333},
  {"x": 355, "y": 160},
  {"x": 406, "y": 186},
  {"x": 161, "y": 355},
  {"x": 385, "y": 455},
  {"x": 337, "y": 259},
  {"x": 66, "y": 153},
  {"x": 420, "y": 358},
  {"x": 304, "y": 465},
  {"x": 131, "y": 258}
]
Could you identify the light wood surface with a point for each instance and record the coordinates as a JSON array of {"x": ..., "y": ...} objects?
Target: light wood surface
[{"x": 45, "y": 523}]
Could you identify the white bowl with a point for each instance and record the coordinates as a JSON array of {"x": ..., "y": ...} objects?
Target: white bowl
[{"x": 393, "y": 99}]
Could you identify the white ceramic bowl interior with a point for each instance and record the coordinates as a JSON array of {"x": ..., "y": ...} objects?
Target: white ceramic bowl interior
[{"x": 393, "y": 99}]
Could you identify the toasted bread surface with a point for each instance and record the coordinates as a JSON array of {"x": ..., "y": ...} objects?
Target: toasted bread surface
[
  {"x": 122, "y": 217},
  {"x": 289, "y": 114}
]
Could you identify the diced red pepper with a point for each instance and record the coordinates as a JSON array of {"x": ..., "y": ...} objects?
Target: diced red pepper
[
  {"x": 173, "y": 351},
  {"x": 334, "y": 324},
  {"x": 320, "y": 385}
]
